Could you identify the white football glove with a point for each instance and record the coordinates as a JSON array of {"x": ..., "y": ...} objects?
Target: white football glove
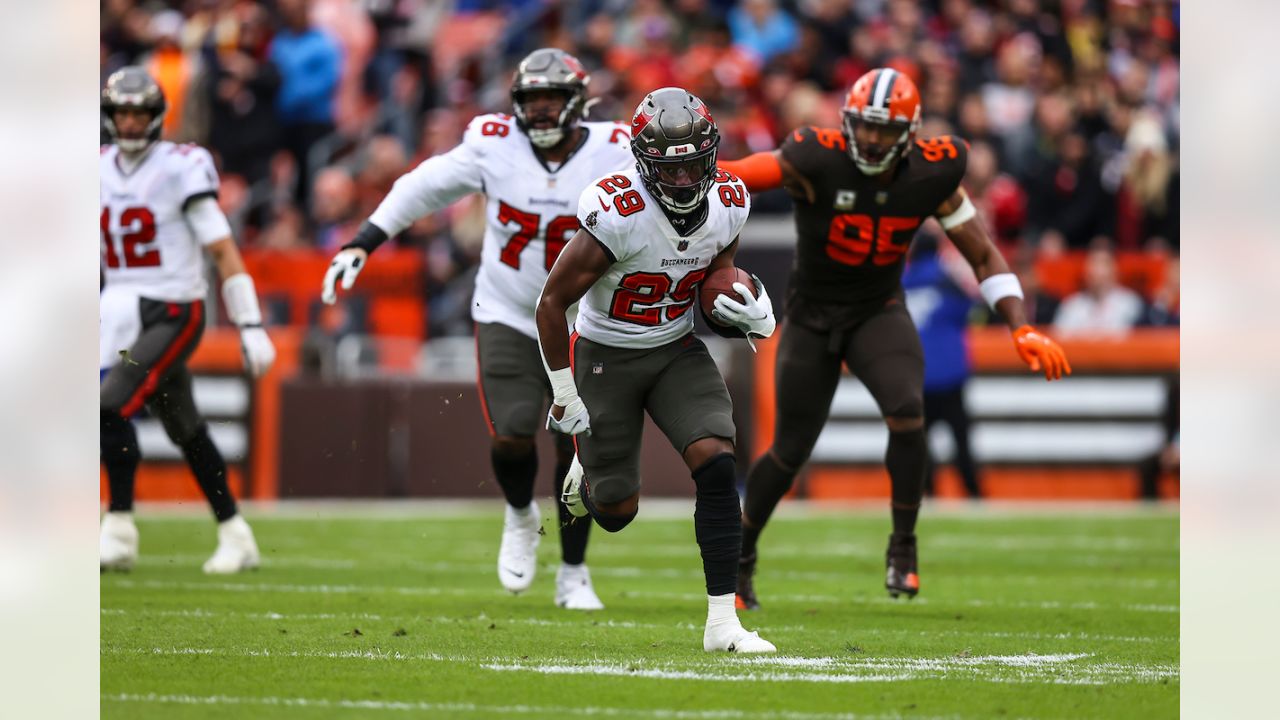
[
  {"x": 347, "y": 264},
  {"x": 257, "y": 350},
  {"x": 574, "y": 421},
  {"x": 753, "y": 316}
]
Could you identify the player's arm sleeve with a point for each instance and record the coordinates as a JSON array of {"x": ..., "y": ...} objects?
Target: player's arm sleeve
[
  {"x": 435, "y": 184},
  {"x": 760, "y": 171},
  {"x": 598, "y": 216},
  {"x": 198, "y": 178},
  {"x": 207, "y": 220},
  {"x": 956, "y": 166}
]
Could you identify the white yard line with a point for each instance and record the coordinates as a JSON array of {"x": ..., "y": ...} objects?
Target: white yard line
[
  {"x": 1029, "y": 668},
  {"x": 326, "y": 589},
  {"x": 384, "y": 562},
  {"x": 494, "y": 710},
  {"x": 590, "y": 621}
]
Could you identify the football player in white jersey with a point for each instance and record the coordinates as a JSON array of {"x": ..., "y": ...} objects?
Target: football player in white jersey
[
  {"x": 159, "y": 212},
  {"x": 649, "y": 236},
  {"x": 531, "y": 167}
]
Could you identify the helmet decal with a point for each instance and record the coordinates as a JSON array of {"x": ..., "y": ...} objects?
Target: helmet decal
[
  {"x": 133, "y": 87},
  {"x": 674, "y": 141},
  {"x": 884, "y": 97},
  {"x": 550, "y": 69}
]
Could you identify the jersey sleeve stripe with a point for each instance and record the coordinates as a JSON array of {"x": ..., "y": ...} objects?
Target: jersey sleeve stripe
[
  {"x": 197, "y": 196},
  {"x": 612, "y": 258}
]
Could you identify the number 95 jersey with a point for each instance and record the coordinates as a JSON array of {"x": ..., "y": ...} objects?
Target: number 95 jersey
[
  {"x": 644, "y": 299},
  {"x": 854, "y": 233},
  {"x": 146, "y": 244}
]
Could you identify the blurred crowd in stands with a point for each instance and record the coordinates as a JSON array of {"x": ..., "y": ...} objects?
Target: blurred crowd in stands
[{"x": 314, "y": 107}]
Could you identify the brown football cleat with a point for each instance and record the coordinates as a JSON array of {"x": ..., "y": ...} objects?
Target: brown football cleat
[{"x": 901, "y": 574}]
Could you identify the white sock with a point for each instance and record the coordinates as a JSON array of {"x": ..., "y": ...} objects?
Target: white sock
[
  {"x": 522, "y": 512},
  {"x": 720, "y": 609}
]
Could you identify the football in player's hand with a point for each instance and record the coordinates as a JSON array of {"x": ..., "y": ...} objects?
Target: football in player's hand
[{"x": 721, "y": 282}]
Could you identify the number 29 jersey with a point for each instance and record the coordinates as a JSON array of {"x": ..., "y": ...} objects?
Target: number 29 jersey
[
  {"x": 853, "y": 236},
  {"x": 529, "y": 211},
  {"x": 147, "y": 247},
  {"x": 644, "y": 299}
]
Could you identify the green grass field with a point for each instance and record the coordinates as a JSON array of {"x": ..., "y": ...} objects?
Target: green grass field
[{"x": 385, "y": 611}]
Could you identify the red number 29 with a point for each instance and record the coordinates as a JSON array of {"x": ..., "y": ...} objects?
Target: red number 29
[{"x": 628, "y": 202}]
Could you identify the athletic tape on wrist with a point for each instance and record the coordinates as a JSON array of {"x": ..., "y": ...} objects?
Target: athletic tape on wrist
[
  {"x": 1000, "y": 286},
  {"x": 241, "y": 300},
  {"x": 563, "y": 389}
]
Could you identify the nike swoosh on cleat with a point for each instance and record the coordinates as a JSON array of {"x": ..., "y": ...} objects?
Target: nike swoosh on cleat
[{"x": 513, "y": 572}]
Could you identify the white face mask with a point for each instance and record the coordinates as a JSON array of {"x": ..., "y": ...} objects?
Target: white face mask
[{"x": 550, "y": 137}]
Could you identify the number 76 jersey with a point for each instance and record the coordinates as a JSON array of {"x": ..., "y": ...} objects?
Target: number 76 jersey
[
  {"x": 529, "y": 211},
  {"x": 644, "y": 299}
]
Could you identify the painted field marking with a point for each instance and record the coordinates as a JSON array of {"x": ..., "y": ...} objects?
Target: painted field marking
[
  {"x": 1029, "y": 668},
  {"x": 383, "y": 562},
  {"x": 587, "y": 622},
  {"x": 495, "y": 710},
  {"x": 1060, "y": 669},
  {"x": 327, "y": 589}
]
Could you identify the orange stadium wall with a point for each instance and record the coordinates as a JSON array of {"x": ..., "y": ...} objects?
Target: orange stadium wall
[
  {"x": 1144, "y": 353},
  {"x": 384, "y": 437}
]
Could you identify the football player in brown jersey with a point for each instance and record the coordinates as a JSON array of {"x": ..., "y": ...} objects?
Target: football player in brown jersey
[{"x": 861, "y": 191}]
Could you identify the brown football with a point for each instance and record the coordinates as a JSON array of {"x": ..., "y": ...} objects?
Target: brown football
[{"x": 721, "y": 282}]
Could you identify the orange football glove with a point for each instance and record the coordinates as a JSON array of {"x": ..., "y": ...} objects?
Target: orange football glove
[{"x": 1040, "y": 352}]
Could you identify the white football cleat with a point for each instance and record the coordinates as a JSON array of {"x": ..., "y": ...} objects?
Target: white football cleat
[
  {"x": 571, "y": 493},
  {"x": 518, "y": 554},
  {"x": 732, "y": 637},
  {"x": 236, "y": 551},
  {"x": 573, "y": 589},
  {"x": 118, "y": 543}
]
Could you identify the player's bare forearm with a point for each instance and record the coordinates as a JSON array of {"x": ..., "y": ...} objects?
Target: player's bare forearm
[
  {"x": 725, "y": 258},
  {"x": 971, "y": 239},
  {"x": 580, "y": 265},
  {"x": 226, "y": 257}
]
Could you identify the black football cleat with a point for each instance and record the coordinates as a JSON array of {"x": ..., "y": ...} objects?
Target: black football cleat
[
  {"x": 901, "y": 574},
  {"x": 745, "y": 598}
]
